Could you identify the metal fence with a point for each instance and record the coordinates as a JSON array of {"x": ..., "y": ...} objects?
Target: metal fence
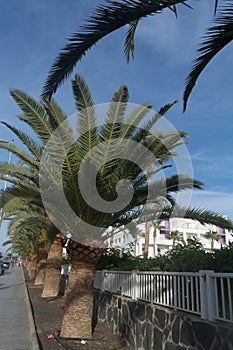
[{"x": 204, "y": 293}]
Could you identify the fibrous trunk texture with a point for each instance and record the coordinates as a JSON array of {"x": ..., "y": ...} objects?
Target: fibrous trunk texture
[
  {"x": 32, "y": 267},
  {"x": 53, "y": 268},
  {"x": 41, "y": 264},
  {"x": 77, "y": 320}
]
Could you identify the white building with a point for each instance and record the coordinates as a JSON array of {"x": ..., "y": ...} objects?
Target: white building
[{"x": 187, "y": 228}]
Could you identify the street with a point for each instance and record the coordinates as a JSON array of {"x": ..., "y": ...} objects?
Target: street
[{"x": 14, "y": 327}]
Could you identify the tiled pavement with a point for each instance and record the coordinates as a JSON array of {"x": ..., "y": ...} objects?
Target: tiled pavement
[{"x": 15, "y": 324}]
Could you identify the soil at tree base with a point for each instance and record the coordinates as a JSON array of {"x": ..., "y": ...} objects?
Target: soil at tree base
[{"x": 48, "y": 316}]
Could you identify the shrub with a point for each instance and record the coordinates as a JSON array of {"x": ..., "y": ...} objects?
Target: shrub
[{"x": 187, "y": 257}]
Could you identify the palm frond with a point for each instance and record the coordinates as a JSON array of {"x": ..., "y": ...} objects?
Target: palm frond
[
  {"x": 105, "y": 20},
  {"x": 111, "y": 129},
  {"x": 129, "y": 46},
  {"x": 34, "y": 114},
  {"x": 87, "y": 128},
  {"x": 20, "y": 172},
  {"x": 133, "y": 120},
  {"x": 56, "y": 115},
  {"x": 7, "y": 242},
  {"x": 32, "y": 146},
  {"x": 216, "y": 38},
  {"x": 163, "y": 110},
  {"x": 204, "y": 216},
  {"x": 25, "y": 157}
]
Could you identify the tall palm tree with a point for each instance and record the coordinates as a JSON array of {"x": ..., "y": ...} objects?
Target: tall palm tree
[
  {"x": 135, "y": 232},
  {"x": 148, "y": 224},
  {"x": 157, "y": 225},
  {"x": 25, "y": 192},
  {"x": 44, "y": 118},
  {"x": 114, "y": 149},
  {"x": 24, "y": 242},
  {"x": 212, "y": 236},
  {"x": 176, "y": 237},
  {"x": 96, "y": 144}
]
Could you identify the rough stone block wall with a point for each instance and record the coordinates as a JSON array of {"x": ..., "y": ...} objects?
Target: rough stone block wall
[{"x": 147, "y": 326}]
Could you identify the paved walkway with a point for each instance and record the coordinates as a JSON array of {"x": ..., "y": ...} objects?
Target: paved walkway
[{"x": 14, "y": 320}]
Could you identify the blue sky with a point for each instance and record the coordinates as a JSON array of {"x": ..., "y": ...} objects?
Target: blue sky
[{"x": 32, "y": 33}]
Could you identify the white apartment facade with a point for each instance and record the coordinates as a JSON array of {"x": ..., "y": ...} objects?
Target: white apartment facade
[{"x": 186, "y": 227}]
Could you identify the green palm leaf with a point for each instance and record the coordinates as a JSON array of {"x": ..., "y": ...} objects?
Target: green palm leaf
[
  {"x": 25, "y": 157},
  {"x": 111, "y": 129},
  {"x": 205, "y": 216},
  {"x": 133, "y": 120},
  {"x": 86, "y": 119},
  {"x": 105, "y": 20},
  {"x": 129, "y": 40},
  {"x": 216, "y": 38},
  {"x": 55, "y": 114},
  {"x": 32, "y": 146},
  {"x": 34, "y": 114}
]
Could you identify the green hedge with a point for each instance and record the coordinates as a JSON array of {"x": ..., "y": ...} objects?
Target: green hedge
[{"x": 190, "y": 257}]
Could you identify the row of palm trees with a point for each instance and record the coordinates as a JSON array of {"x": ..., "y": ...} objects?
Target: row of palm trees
[
  {"x": 176, "y": 236},
  {"x": 39, "y": 223}
]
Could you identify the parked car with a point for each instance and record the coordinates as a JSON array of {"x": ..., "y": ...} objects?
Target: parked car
[
  {"x": 6, "y": 264},
  {"x": 2, "y": 269}
]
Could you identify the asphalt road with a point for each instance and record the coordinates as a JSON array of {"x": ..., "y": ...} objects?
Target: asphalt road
[{"x": 14, "y": 323}]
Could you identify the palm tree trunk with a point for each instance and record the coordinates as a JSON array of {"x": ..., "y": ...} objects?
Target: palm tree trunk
[
  {"x": 148, "y": 224},
  {"x": 111, "y": 241},
  {"x": 77, "y": 320},
  {"x": 173, "y": 244},
  {"x": 135, "y": 247},
  {"x": 53, "y": 268},
  {"x": 41, "y": 264},
  {"x": 32, "y": 267},
  {"x": 212, "y": 244},
  {"x": 26, "y": 262},
  {"x": 147, "y": 239},
  {"x": 154, "y": 241}
]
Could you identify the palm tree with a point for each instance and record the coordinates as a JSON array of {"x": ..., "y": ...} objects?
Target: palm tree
[
  {"x": 157, "y": 225},
  {"x": 43, "y": 118},
  {"x": 135, "y": 232},
  {"x": 96, "y": 144},
  {"x": 26, "y": 212},
  {"x": 176, "y": 236},
  {"x": 194, "y": 243},
  {"x": 24, "y": 242},
  {"x": 114, "y": 149},
  {"x": 212, "y": 236}
]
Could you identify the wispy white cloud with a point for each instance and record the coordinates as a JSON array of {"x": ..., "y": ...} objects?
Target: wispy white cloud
[
  {"x": 221, "y": 202},
  {"x": 174, "y": 37},
  {"x": 207, "y": 162}
]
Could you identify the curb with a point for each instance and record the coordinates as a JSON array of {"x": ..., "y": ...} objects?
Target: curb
[{"x": 34, "y": 344}]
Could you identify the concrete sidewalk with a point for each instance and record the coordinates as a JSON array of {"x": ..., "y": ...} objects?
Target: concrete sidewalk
[{"x": 17, "y": 330}]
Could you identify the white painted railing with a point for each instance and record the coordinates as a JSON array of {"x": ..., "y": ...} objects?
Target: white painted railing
[{"x": 204, "y": 293}]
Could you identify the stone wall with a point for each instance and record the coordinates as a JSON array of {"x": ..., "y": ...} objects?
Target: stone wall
[{"x": 150, "y": 327}]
